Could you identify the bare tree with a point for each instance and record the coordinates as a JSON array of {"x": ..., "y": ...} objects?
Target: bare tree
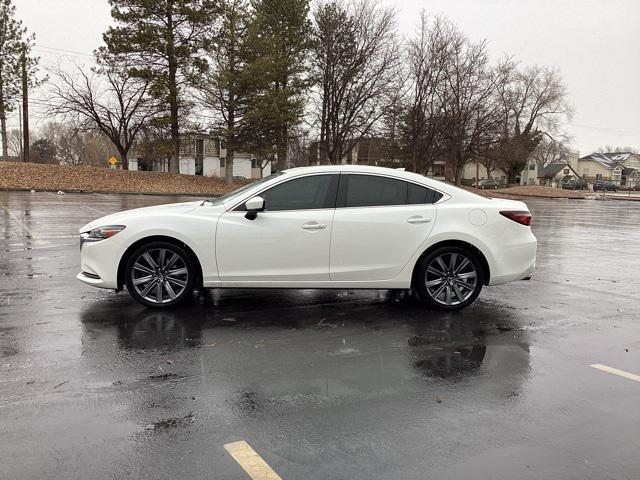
[
  {"x": 423, "y": 128},
  {"x": 550, "y": 150},
  {"x": 466, "y": 95},
  {"x": 14, "y": 143},
  {"x": 612, "y": 149},
  {"x": 356, "y": 64},
  {"x": 76, "y": 146},
  {"x": 533, "y": 104},
  {"x": 107, "y": 100},
  {"x": 298, "y": 146}
]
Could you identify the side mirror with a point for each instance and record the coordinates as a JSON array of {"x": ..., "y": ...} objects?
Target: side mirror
[{"x": 253, "y": 206}]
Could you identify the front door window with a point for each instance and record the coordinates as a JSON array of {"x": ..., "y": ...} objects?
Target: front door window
[{"x": 306, "y": 193}]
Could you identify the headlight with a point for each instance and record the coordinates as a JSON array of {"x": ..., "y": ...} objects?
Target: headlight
[{"x": 107, "y": 231}]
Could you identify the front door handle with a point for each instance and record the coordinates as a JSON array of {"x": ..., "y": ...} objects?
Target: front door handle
[
  {"x": 313, "y": 226},
  {"x": 417, "y": 220}
]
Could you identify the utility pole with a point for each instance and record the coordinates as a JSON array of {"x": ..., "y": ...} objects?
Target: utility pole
[
  {"x": 20, "y": 129},
  {"x": 25, "y": 105}
]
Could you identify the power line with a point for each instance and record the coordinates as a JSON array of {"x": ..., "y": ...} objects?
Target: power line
[
  {"x": 74, "y": 52},
  {"x": 611, "y": 130}
]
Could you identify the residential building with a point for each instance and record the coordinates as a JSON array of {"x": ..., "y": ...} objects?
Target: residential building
[
  {"x": 555, "y": 174},
  {"x": 201, "y": 154},
  {"x": 533, "y": 173},
  {"x": 620, "y": 167},
  {"x": 471, "y": 169}
]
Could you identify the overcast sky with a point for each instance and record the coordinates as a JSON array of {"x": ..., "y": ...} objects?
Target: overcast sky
[{"x": 594, "y": 43}]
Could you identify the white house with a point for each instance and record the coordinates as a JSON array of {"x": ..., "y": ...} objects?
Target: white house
[
  {"x": 555, "y": 174},
  {"x": 204, "y": 155}
]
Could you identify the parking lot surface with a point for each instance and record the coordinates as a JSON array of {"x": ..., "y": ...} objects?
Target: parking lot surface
[{"x": 321, "y": 384}]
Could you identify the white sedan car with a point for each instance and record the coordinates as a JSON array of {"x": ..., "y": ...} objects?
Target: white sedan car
[{"x": 353, "y": 227}]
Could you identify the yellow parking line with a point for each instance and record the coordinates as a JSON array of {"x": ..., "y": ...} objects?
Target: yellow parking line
[
  {"x": 250, "y": 461},
  {"x": 615, "y": 371},
  {"x": 18, "y": 221}
]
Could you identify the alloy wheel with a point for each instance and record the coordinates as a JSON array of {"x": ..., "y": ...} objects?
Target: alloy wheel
[
  {"x": 450, "y": 279},
  {"x": 160, "y": 275}
]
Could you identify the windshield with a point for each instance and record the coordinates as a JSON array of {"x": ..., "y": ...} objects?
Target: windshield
[{"x": 239, "y": 191}]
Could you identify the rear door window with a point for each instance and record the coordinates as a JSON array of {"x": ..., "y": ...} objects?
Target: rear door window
[
  {"x": 375, "y": 191},
  {"x": 419, "y": 195}
]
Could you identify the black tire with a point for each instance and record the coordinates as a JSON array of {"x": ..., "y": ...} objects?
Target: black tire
[
  {"x": 458, "y": 285},
  {"x": 175, "y": 285}
]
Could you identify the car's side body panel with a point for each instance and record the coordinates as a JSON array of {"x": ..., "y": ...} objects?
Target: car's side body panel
[
  {"x": 290, "y": 245},
  {"x": 375, "y": 243}
]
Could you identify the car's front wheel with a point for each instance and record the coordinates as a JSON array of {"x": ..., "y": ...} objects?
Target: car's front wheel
[
  {"x": 449, "y": 278},
  {"x": 160, "y": 274}
]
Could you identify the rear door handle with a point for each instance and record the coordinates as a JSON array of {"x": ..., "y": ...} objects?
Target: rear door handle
[
  {"x": 417, "y": 220},
  {"x": 314, "y": 226}
]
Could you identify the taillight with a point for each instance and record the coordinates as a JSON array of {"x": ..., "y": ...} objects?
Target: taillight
[{"x": 523, "y": 218}]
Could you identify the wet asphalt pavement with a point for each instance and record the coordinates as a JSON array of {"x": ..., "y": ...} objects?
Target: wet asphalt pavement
[{"x": 322, "y": 384}]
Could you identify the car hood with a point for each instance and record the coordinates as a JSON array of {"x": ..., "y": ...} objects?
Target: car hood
[{"x": 121, "y": 218}]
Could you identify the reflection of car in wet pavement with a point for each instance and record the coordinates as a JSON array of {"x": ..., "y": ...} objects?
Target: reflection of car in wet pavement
[{"x": 316, "y": 227}]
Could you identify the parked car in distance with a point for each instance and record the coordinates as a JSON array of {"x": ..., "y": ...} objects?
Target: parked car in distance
[
  {"x": 347, "y": 226},
  {"x": 488, "y": 183},
  {"x": 575, "y": 184},
  {"x": 600, "y": 185}
]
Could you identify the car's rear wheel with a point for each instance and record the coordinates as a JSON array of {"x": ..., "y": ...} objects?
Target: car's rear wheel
[
  {"x": 449, "y": 278},
  {"x": 160, "y": 274}
]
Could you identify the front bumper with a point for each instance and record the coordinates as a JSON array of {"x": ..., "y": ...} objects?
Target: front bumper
[
  {"x": 99, "y": 262},
  {"x": 90, "y": 280}
]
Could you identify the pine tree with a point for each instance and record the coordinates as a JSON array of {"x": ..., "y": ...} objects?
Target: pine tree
[
  {"x": 225, "y": 86},
  {"x": 161, "y": 40},
  {"x": 279, "y": 41},
  {"x": 12, "y": 40}
]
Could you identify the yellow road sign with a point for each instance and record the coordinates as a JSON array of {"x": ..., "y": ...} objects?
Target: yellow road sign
[{"x": 113, "y": 160}]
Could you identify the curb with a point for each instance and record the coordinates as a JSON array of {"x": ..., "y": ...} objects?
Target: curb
[{"x": 108, "y": 192}]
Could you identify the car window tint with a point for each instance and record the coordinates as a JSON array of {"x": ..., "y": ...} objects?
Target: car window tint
[
  {"x": 317, "y": 191},
  {"x": 371, "y": 191},
  {"x": 419, "y": 194}
]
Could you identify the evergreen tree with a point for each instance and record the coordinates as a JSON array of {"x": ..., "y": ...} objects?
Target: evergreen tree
[
  {"x": 279, "y": 40},
  {"x": 161, "y": 40},
  {"x": 13, "y": 43},
  {"x": 225, "y": 86}
]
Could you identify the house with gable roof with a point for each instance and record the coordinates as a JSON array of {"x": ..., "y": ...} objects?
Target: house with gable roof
[{"x": 622, "y": 168}]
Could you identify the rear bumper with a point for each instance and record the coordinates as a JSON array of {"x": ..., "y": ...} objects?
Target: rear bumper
[{"x": 515, "y": 262}]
